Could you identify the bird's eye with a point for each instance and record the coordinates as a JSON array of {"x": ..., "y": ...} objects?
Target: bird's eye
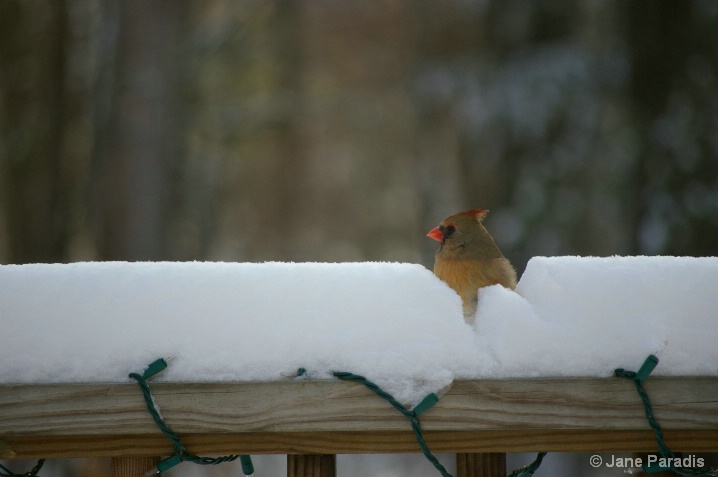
[{"x": 449, "y": 230}]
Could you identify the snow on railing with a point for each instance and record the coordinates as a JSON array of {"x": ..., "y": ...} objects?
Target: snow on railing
[{"x": 529, "y": 374}]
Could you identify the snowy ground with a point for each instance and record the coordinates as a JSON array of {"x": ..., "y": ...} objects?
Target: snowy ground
[{"x": 395, "y": 323}]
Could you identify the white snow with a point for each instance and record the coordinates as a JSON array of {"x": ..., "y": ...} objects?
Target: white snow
[
  {"x": 395, "y": 323},
  {"x": 585, "y": 316},
  {"x": 93, "y": 322}
]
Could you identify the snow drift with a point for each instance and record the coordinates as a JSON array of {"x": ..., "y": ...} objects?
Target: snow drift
[{"x": 395, "y": 323}]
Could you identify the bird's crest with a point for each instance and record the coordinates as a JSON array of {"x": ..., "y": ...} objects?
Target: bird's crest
[{"x": 479, "y": 214}]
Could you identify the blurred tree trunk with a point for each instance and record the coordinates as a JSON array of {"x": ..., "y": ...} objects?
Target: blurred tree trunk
[
  {"x": 140, "y": 127},
  {"x": 252, "y": 98},
  {"x": 674, "y": 65},
  {"x": 286, "y": 159},
  {"x": 32, "y": 120},
  {"x": 655, "y": 37}
]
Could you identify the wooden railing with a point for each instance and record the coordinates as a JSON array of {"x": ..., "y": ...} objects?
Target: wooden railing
[{"x": 312, "y": 421}]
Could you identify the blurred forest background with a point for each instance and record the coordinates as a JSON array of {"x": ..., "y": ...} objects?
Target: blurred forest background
[
  {"x": 339, "y": 130},
  {"x": 325, "y": 130}
]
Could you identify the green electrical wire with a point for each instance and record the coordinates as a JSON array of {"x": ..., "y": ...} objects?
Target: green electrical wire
[
  {"x": 181, "y": 453},
  {"x": 529, "y": 470},
  {"x": 412, "y": 415},
  {"x": 5, "y": 472},
  {"x": 638, "y": 378}
]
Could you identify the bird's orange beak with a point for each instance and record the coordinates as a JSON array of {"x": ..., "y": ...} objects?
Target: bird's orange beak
[{"x": 436, "y": 234}]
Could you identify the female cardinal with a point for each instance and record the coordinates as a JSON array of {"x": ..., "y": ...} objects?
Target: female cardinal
[{"x": 468, "y": 257}]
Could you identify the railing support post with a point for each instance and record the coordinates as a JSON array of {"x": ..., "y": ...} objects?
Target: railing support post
[
  {"x": 485, "y": 464},
  {"x": 311, "y": 465},
  {"x": 133, "y": 466}
]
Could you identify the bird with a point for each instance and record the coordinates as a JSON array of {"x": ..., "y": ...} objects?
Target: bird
[{"x": 468, "y": 258}]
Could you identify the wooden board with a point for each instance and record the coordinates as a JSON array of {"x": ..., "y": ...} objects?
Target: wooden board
[
  {"x": 330, "y": 417},
  {"x": 133, "y": 466},
  {"x": 488, "y": 464},
  {"x": 311, "y": 465}
]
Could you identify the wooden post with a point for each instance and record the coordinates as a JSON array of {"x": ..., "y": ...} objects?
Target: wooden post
[
  {"x": 133, "y": 466},
  {"x": 485, "y": 464},
  {"x": 311, "y": 465}
]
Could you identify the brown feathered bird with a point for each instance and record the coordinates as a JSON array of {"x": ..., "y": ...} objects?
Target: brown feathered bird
[{"x": 468, "y": 257}]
